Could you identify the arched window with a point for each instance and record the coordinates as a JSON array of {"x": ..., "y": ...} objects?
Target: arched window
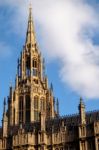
[
  {"x": 36, "y": 102},
  {"x": 36, "y": 108},
  {"x": 14, "y": 115},
  {"x": 28, "y": 66},
  {"x": 21, "y": 109},
  {"x": 34, "y": 63},
  {"x": 35, "y": 72},
  {"x": 42, "y": 104},
  {"x": 27, "y": 115},
  {"x": 36, "y": 115}
]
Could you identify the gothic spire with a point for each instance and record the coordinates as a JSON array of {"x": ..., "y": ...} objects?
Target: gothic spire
[
  {"x": 30, "y": 37},
  {"x": 82, "y": 114},
  {"x": 4, "y": 109},
  {"x": 81, "y": 104},
  {"x": 57, "y": 107},
  {"x": 51, "y": 87}
]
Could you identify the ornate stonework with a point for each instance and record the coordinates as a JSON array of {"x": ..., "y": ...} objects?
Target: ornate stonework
[{"x": 31, "y": 121}]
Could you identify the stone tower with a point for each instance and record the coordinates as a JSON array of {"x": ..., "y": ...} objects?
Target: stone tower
[
  {"x": 82, "y": 114},
  {"x": 4, "y": 120},
  {"x": 31, "y": 96},
  {"x": 31, "y": 121}
]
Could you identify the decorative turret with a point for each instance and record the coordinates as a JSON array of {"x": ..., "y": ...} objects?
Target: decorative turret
[
  {"x": 82, "y": 115},
  {"x": 4, "y": 120},
  {"x": 30, "y": 65},
  {"x": 51, "y": 87},
  {"x": 31, "y": 95},
  {"x": 4, "y": 107},
  {"x": 57, "y": 107}
]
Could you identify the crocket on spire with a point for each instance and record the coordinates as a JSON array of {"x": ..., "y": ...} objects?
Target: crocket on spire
[{"x": 30, "y": 37}]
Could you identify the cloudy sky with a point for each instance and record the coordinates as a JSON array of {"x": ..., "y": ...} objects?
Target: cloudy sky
[{"x": 67, "y": 32}]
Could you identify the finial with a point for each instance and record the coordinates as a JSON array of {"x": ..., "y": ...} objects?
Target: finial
[
  {"x": 10, "y": 83},
  {"x": 57, "y": 105},
  {"x": 57, "y": 102},
  {"x": 4, "y": 105},
  {"x": 30, "y": 36},
  {"x": 54, "y": 101},
  {"x": 81, "y": 104},
  {"x": 43, "y": 67},
  {"x": 30, "y": 6},
  {"x": 4, "y": 101},
  {"x": 51, "y": 87},
  {"x": 81, "y": 101},
  {"x": 81, "y": 108},
  {"x": 18, "y": 64},
  {"x": 30, "y": 9}
]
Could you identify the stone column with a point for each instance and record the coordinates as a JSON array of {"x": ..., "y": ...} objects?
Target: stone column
[{"x": 96, "y": 144}]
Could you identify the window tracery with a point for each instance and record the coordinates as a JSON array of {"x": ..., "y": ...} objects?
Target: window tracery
[
  {"x": 21, "y": 109},
  {"x": 36, "y": 108},
  {"x": 35, "y": 66},
  {"x": 42, "y": 104},
  {"x": 28, "y": 66},
  {"x": 27, "y": 108}
]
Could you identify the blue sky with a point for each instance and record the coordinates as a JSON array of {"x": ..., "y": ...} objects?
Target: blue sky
[{"x": 63, "y": 67}]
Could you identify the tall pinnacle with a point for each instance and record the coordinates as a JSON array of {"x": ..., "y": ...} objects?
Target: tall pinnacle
[
  {"x": 30, "y": 37},
  {"x": 4, "y": 111},
  {"x": 81, "y": 102}
]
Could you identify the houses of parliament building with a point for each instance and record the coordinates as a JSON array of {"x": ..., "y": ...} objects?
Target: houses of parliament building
[{"x": 31, "y": 119}]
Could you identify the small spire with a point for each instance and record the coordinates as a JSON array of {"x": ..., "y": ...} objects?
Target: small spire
[
  {"x": 18, "y": 66},
  {"x": 4, "y": 111},
  {"x": 30, "y": 37},
  {"x": 4, "y": 101},
  {"x": 57, "y": 106},
  {"x": 30, "y": 6},
  {"x": 51, "y": 87},
  {"x": 54, "y": 101},
  {"x": 10, "y": 83},
  {"x": 81, "y": 102},
  {"x": 43, "y": 67},
  {"x": 81, "y": 99},
  {"x": 81, "y": 108}
]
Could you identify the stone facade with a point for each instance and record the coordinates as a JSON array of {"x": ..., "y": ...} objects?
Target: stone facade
[{"x": 32, "y": 121}]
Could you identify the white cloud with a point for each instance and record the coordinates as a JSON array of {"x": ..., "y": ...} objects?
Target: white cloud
[{"x": 67, "y": 28}]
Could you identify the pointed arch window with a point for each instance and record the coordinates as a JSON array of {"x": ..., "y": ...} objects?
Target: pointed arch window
[
  {"x": 42, "y": 104},
  {"x": 36, "y": 108},
  {"x": 27, "y": 114},
  {"x": 36, "y": 115},
  {"x": 36, "y": 102},
  {"x": 14, "y": 115},
  {"x": 28, "y": 66},
  {"x": 21, "y": 109},
  {"x": 35, "y": 66},
  {"x": 34, "y": 63}
]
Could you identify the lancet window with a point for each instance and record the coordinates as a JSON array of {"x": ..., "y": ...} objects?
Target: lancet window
[
  {"x": 21, "y": 109},
  {"x": 36, "y": 115},
  {"x": 28, "y": 67},
  {"x": 42, "y": 104},
  {"x": 35, "y": 72},
  {"x": 14, "y": 115},
  {"x": 27, "y": 108},
  {"x": 36, "y": 108},
  {"x": 36, "y": 102}
]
